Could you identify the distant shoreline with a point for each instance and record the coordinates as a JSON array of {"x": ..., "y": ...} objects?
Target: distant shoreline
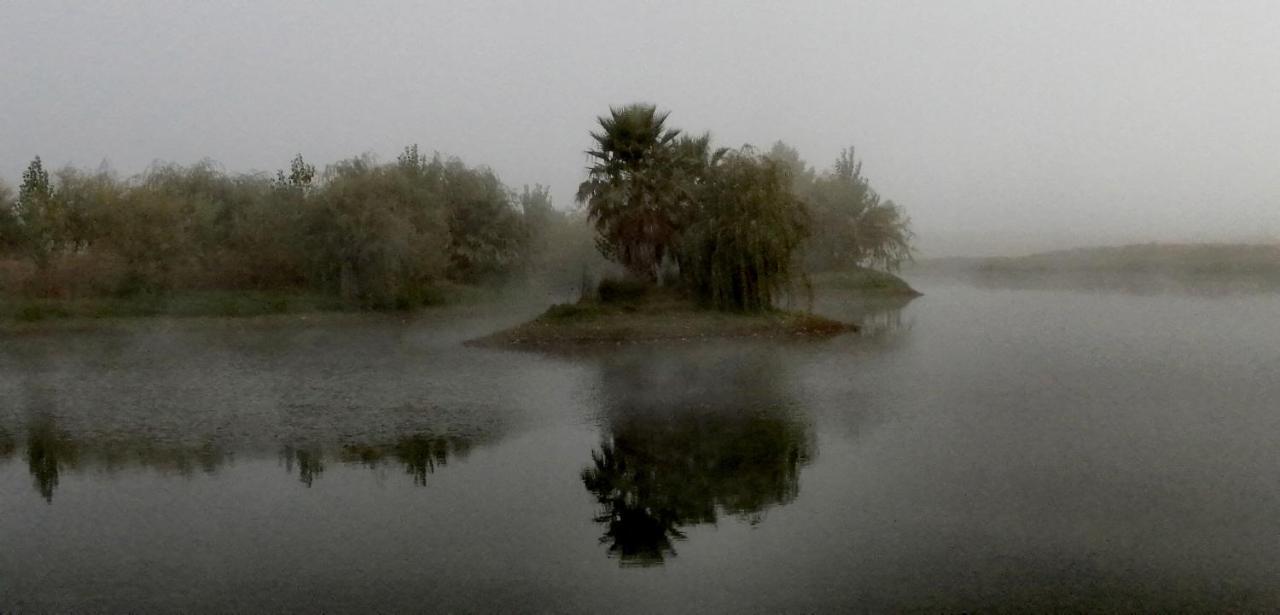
[{"x": 1179, "y": 258}]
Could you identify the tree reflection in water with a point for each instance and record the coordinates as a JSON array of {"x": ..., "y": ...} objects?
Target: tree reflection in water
[
  {"x": 7, "y": 444},
  {"x": 49, "y": 452},
  {"x": 309, "y": 461},
  {"x": 879, "y": 319},
  {"x": 420, "y": 454},
  {"x": 688, "y": 439}
]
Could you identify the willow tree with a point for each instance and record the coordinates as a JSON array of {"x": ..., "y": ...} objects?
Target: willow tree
[
  {"x": 660, "y": 468},
  {"x": 738, "y": 252},
  {"x": 633, "y": 189}
]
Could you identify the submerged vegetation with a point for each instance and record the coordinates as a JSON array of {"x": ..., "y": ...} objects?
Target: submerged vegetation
[{"x": 730, "y": 229}]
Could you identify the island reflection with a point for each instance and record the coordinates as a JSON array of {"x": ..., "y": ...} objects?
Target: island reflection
[{"x": 689, "y": 438}]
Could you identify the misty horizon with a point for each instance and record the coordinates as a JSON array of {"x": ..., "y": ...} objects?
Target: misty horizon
[{"x": 1001, "y": 129}]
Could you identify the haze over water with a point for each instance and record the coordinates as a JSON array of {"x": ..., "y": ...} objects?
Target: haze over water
[
  {"x": 980, "y": 448},
  {"x": 1002, "y": 127},
  {"x": 261, "y": 348}
]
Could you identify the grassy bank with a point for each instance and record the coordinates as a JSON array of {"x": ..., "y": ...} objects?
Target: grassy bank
[
  {"x": 1186, "y": 259},
  {"x": 863, "y": 280},
  {"x": 178, "y": 303},
  {"x": 660, "y": 318},
  {"x": 17, "y": 310}
]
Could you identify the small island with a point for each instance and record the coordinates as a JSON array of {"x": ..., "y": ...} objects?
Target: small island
[
  {"x": 656, "y": 317},
  {"x": 711, "y": 240}
]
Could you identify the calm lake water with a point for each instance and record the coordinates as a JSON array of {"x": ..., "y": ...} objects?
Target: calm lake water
[{"x": 980, "y": 449}]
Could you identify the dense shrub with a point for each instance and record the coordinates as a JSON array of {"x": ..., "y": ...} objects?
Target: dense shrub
[
  {"x": 728, "y": 225},
  {"x": 852, "y": 225},
  {"x": 622, "y": 289},
  {"x": 378, "y": 235}
]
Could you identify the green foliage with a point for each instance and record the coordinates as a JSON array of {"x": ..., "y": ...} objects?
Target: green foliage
[
  {"x": 559, "y": 248},
  {"x": 852, "y": 226},
  {"x": 801, "y": 175},
  {"x": 35, "y": 186},
  {"x": 39, "y": 215},
  {"x": 633, "y": 191},
  {"x": 373, "y": 235},
  {"x": 622, "y": 290},
  {"x": 671, "y": 209},
  {"x": 727, "y": 224},
  {"x": 865, "y": 281},
  {"x": 738, "y": 251},
  {"x": 572, "y": 311},
  {"x": 216, "y": 303},
  {"x": 486, "y": 233},
  {"x": 300, "y": 174},
  {"x": 540, "y": 217},
  {"x": 34, "y": 312}
]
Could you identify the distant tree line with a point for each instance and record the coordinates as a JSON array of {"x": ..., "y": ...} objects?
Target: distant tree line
[
  {"x": 852, "y": 225},
  {"x": 734, "y": 227},
  {"x": 379, "y": 235}
]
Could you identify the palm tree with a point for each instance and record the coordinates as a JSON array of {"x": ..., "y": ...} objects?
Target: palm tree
[{"x": 632, "y": 189}]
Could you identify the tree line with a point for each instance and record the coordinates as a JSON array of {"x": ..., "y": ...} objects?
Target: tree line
[
  {"x": 735, "y": 228},
  {"x": 391, "y": 235}
]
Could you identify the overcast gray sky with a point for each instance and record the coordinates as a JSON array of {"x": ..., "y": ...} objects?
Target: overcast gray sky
[{"x": 1002, "y": 127}]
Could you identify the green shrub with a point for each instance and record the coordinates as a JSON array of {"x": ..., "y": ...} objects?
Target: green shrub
[
  {"x": 36, "y": 311},
  {"x": 622, "y": 290},
  {"x": 571, "y": 311}
]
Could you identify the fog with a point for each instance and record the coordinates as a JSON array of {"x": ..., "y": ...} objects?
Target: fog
[{"x": 1001, "y": 127}]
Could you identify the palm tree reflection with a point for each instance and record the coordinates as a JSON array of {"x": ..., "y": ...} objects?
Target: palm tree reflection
[{"x": 689, "y": 441}]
